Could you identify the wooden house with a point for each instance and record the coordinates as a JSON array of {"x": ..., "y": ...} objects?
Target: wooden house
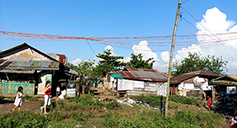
[{"x": 26, "y": 66}]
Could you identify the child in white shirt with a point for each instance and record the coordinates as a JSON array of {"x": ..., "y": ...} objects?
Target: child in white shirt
[{"x": 18, "y": 100}]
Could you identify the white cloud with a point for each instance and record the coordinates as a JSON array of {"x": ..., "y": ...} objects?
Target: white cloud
[
  {"x": 147, "y": 53},
  {"x": 165, "y": 56},
  {"x": 109, "y": 47},
  {"x": 212, "y": 44},
  {"x": 76, "y": 62}
]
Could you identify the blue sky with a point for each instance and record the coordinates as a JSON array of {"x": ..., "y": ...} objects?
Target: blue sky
[{"x": 149, "y": 12}]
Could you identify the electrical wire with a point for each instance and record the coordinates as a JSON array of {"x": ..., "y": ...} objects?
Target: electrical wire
[
  {"x": 145, "y": 25},
  {"x": 228, "y": 46},
  {"x": 91, "y": 47}
]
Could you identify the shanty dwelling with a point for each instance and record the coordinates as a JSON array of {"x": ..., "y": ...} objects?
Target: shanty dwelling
[
  {"x": 135, "y": 81},
  {"x": 26, "y": 66},
  {"x": 193, "y": 84},
  {"x": 225, "y": 84}
]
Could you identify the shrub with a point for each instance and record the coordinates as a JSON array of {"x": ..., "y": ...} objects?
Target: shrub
[
  {"x": 110, "y": 122},
  {"x": 112, "y": 105},
  {"x": 154, "y": 100},
  {"x": 183, "y": 100},
  {"x": 25, "y": 119},
  {"x": 1, "y": 99}
]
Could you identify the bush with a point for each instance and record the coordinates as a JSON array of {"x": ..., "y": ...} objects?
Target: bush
[
  {"x": 112, "y": 105},
  {"x": 154, "y": 100},
  {"x": 25, "y": 119},
  {"x": 1, "y": 99},
  {"x": 110, "y": 122},
  {"x": 184, "y": 100}
]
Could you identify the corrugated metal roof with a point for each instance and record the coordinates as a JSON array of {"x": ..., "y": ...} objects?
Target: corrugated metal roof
[
  {"x": 185, "y": 76},
  {"x": 116, "y": 76},
  {"x": 143, "y": 75},
  {"x": 31, "y": 65}
]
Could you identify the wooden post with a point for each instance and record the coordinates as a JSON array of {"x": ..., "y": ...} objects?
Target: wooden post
[
  {"x": 213, "y": 93},
  {"x": 171, "y": 57}
]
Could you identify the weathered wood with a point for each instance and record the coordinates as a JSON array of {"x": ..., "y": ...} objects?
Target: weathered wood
[
  {"x": 171, "y": 57},
  {"x": 213, "y": 93}
]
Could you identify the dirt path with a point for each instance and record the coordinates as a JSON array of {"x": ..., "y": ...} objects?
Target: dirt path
[{"x": 26, "y": 105}]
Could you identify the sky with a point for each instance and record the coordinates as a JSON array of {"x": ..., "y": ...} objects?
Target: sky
[{"x": 205, "y": 26}]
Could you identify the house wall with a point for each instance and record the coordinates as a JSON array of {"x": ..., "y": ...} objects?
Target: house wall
[
  {"x": 25, "y": 53},
  {"x": 12, "y": 88},
  {"x": 134, "y": 87},
  {"x": 188, "y": 88}
]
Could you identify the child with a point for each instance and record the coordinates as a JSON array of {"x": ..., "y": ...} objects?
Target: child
[
  {"x": 47, "y": 92},
  {"x": 209, "y": 103},
  {"x": 18, "y": 100},
  {"x": 234, "y": 120},
  {"x": 57, "y": 91}
]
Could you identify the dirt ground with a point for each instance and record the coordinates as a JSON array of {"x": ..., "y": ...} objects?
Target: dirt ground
[{"x": 7, "y": 106}]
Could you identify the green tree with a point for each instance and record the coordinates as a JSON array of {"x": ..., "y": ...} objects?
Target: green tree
[
  {"x": 195, "y": 62},
  {"x": 86, "y": 73},
  {"x": 137, "y": 62},
  {"x": 108, "y": 62}
]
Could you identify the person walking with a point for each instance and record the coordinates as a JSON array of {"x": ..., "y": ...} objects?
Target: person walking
[
  {"x": 46, "y": 97},
  {"x": 18, "y": 100},
  {"x": 209, "y": 103}
]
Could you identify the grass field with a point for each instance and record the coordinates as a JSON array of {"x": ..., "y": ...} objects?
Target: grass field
[{"x": 88, "y": 113}]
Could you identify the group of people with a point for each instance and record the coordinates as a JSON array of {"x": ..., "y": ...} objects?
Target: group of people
[{"x": 47, "y": 92}]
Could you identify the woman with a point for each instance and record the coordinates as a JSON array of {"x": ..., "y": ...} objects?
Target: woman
[{"x": 47, "y": 93}]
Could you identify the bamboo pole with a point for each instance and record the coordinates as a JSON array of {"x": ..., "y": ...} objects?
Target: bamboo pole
[{"x": 171, "y": 57}]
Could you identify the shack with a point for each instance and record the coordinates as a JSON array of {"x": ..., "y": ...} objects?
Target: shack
[
  {"x": 192, "y": 84},
  {"x": 135, "y": 81},
  {"x": 225, "y": 84},
  {"x": 26, "y": 66}
]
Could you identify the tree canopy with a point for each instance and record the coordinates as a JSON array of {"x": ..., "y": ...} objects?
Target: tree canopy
[
  {"x": 137, "y": 62},
  {"x": 195, "y": 62},
  {"x": 109, "y": 62}
]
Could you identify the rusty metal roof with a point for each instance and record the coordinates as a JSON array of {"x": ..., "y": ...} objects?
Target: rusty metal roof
[
  {"x": 28, "y": 65},
  {"x": 144, "y": 75},
  {"x": 185, "y": 76}
]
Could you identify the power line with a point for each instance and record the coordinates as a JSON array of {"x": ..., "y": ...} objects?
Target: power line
[
  {"x": 91, "y": 47},
  {"x": 228, "y": 46},
  {"x": 145, "y": 25},
  {"x": 185, "y": 2}
]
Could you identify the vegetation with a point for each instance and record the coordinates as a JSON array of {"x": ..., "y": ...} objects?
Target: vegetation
[
  {"x": 154, "y": 100},
  {"x": 137, "y": 62},
  {"x": 195, "y": 62},
  {"x": 1, "y": 99},
  {"x": 30, "y": 98},
  {"x": 88, "y": 113},
  {"x": 85, "y": 69}
]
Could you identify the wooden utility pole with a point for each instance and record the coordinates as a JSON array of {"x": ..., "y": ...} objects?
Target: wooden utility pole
[{"x": 171, "y": 57}]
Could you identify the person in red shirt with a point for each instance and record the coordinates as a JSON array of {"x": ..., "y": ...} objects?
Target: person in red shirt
[
  {"x": 209, "y": 103},
  {"x": 47, "y": 93}
]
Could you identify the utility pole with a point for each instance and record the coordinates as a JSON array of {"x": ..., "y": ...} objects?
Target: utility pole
[{"x": 171, "y": 57}]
